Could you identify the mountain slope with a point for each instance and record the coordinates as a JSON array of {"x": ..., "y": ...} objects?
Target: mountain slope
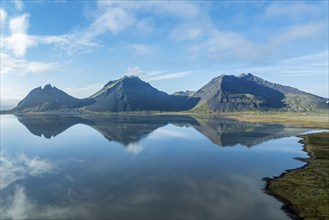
[
  {"x": 230, "y": 93},
  {"x": 130, "y": 93},
  {"x": 49, "y": 98},
  {"x": 294, "y": 99}
]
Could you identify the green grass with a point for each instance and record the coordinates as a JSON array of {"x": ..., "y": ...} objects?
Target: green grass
[
  {"x": 307, "y": 189},
  {"x": 307, "y": 120}
]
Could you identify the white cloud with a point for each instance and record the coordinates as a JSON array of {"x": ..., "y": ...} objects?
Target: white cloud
[
  {"x": 19, "y": 40},
  {"x": 292, "y": 9},
  {"x": 155, "y": 74},
  {"x": 299, "y": 32},
  {"x": 187, "y": 32},
  {"x": 20, "y": 66},
  {"x": 169, "y": 76},
  {"x": 181, "y": 9},
  {"x": 142, "y": 49},
  {"x": 3, "y": 16},
  {"x": 116, "y": 16},
  {"x": 226, "y": 46}
]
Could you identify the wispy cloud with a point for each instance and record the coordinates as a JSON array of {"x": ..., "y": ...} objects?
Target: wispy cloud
[
  {"x": 296, "y": 32},
  {"x": 20, "y": 66},
  {"x": 142, "y": 49},
  {"x": 3, "y": 15},
  {"x": 169, "y": 76},
  {"x": 155, "y": 75},
  {"x": 83, "y": 91},
  {"x": 187, "y": 32},
  {"x": 116, "y": 16},
  {"x": 226, "y": 46},
  {"x": 19, "y": 5},
  {"x": 294, "y": 9}
]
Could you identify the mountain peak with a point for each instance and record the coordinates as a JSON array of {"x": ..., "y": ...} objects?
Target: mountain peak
[
  {"x": 131, "y": 77},
  {"x": 48, "y": 86},
  {"x": 242, "y": 75},
  {"x": 246, "y": 76}
]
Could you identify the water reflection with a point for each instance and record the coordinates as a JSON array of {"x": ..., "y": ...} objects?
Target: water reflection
[
  {"x": 129, "y": 130},
  {"x": 20, "y": 167},
  {"x": 170, "y": 167}
]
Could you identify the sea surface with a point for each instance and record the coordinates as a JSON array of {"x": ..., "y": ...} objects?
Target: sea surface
[{"x": 142, "y": 167}]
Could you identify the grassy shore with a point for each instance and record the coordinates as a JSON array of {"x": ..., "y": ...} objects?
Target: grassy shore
[
  {"x": 318, "y": 120},
  {"x": 307, "y": 120},
  {"x": 306, "y": 190}
]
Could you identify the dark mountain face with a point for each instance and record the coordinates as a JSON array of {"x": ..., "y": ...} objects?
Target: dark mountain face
[
  {"x": 294, "y": 99},
  {"x": 278, "y": 87},
  {"x": 49, "y": 98},
  {"x": 130, "y": 93},
  {"x": 230, "y": 93}
]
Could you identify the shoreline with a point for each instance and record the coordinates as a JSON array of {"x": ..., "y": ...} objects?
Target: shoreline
[
  {"x": 273, "y": 184},
  {"x": 312, "y": 120}
]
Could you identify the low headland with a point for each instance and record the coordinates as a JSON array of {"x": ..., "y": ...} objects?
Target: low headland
[{"x": 305, "y": 191}]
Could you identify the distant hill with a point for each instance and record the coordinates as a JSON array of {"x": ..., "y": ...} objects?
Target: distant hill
[
  {"x": 48, "y": 99},
  {"x": 225, "y": 93}
]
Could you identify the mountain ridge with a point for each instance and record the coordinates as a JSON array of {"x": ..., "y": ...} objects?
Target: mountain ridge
[{"x": 224, "y": 93}]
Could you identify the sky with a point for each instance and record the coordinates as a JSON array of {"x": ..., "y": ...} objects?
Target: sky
[{"x": 78, "y": 46}]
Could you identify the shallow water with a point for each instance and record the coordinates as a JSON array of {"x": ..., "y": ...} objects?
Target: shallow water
[{"x": 134, "y": 167}]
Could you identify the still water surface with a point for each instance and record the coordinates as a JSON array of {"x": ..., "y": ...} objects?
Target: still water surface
[{"x": 134, "y": 167}]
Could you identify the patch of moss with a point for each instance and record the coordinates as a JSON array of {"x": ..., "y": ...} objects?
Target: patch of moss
[{"x": 306, "y": 190}]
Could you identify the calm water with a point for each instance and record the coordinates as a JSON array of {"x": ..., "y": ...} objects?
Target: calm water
[{"x": 155, "y": 167}]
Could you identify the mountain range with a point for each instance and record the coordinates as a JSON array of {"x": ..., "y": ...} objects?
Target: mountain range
[{"x": 225, "y": 93}]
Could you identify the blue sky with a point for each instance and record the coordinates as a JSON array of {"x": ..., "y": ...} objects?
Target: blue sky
[{"x": 78, "y": 46}]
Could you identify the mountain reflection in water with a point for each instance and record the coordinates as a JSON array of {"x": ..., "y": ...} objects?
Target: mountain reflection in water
[
  {"x": 146, "y": 167},
  {"x": 130, "y": 129}
]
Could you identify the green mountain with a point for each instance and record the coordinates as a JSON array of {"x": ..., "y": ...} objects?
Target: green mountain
[{"x": 49, "y": 99}]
